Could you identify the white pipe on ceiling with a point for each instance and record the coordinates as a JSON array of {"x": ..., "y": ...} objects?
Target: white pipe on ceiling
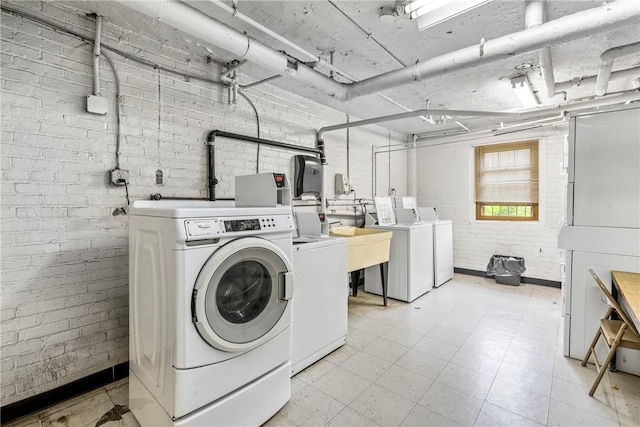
[
  {"x": 606, "y": 64},
  {"x": 181, "y": 16},
  {"x": 629, "y": 73},
  {"x": 632, "y": 96},
  {"x": 534, "y": 16},
  {"x": 567, "y": 28}
]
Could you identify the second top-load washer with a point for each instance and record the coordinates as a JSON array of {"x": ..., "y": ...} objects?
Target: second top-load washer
[
  {"x": 210, "y": 312},
  {"x": 410, "y": 269}
]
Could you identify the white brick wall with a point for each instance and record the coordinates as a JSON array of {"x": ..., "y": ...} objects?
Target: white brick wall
[
  {"x": 64, "y": 256},
  {"x": 445, "y": 179}
]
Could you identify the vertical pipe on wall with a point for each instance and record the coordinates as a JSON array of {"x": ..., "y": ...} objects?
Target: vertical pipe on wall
[{"x": 96, "y": 56}]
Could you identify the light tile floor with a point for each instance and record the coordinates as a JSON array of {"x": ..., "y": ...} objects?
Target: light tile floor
[{"x": 469, "y": 353}]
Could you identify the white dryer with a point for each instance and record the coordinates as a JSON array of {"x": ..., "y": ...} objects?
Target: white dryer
[{"x": 209, "y": 312}]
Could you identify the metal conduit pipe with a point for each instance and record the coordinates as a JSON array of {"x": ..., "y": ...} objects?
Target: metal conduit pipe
[
  {"x": 534, "y": 16},
  {"x": 567, "y": 28},
  {"x": 96, "y": 56},
  {"x": 629, "y": 73},
  {"x": 631, "y": 96},
  {"x": 181, "y": 16},
  {"x": 606, "y": 64}
]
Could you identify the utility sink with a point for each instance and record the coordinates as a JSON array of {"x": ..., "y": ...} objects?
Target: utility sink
[{"x": 365, "y": 247}]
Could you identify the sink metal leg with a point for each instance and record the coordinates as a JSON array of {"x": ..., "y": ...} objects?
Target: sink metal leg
[{"x": 383, "y": 277}]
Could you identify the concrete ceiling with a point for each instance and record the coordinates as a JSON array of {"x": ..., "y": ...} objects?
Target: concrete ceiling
[{"x": 323, "y": 27}]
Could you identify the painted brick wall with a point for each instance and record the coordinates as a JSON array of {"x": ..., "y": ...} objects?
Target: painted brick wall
[
  {"x": 64, "y": 255},
  {"x": 445, "y": 180}
]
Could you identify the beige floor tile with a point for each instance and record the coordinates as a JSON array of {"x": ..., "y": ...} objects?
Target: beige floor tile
[
  {"x": 533, "y": 345},
  {"x": 366, "y": 365},
  {"x": 482, "y": 364},
  {"x": 563, "y": 415},
  {"x": 402, "y": 337},
  {"x": 519, "y": 401},
  {"x": 449, "y": 402},
  {"x": 382, "y": 406},
  {"x": 495, "y": 416},
  {"x": 536, "y": 362},
  {"x": 83, "y": 413},
  {"x": 372, "y": 326},
  {"x": 423, "y": 364},
  {"x": 342, "y": 385},
  {"x": 468, "y": 380},
  {"x": 572, "y": 370},
  {"x": 316, "y": 371},
  {"x": 628, "y": 408},
  {"x": 386, "y": 350},
  {"x": 358, "y": 338},
  {"x": 350, "y": 418},
  {"x": 425, "y": 417},
  {"x": 602, "y": 403},
  {"x": 525, "y": 378},
  {"x": 447, "y": 335},
  {"x": 341, "y": 354},
  {"x": 118, "y": 392},
  {"x": 311, "y": 407},
  {"x": 406, "y": 383},
  {"x": 436, "y": 348},
  {"x": 279, "y": 420},
  {"x": 624, "y": 383}
]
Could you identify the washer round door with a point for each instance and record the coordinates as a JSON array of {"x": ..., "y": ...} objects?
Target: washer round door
[{"x": 241, "y": 294}]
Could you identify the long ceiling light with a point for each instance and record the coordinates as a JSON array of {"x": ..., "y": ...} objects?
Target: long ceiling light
[
  {"x": 523, "y": 91},
  {"x": 432, "y": 12}
]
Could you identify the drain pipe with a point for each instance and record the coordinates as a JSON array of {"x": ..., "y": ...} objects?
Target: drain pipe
[
  {"x": 534, "y": 17},
  {"x": 181, "y": 16},
  {"x": 567, "y": 28},
  {"x": 606, "y": 64}
]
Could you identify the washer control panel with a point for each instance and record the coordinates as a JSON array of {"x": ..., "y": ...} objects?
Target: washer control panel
[{"x": 215, "y": 228}]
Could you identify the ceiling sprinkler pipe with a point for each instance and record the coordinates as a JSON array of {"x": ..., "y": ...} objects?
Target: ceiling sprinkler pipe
[
  {"x": 606, "y": 64},
  {"x": 183, "y": 17},
  {"x": 567, "y": 28}
]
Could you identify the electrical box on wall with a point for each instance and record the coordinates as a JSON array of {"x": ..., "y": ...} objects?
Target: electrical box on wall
[{"x": 342, "y": 184}]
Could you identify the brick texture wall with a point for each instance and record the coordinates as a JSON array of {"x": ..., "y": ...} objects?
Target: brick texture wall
[
  {"x": 64, "y": 254},
  {"x": 445, "y": 179}
]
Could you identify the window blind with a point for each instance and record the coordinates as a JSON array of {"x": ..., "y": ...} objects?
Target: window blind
[{"x": 507, "y": 173}]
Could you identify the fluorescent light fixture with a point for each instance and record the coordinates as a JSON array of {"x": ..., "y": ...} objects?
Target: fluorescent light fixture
[
  {"x": 432, "y": 12},
  {"x": 523, "y": 91}
]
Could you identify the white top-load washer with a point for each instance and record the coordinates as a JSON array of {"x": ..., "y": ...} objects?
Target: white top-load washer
[
  {"x": 410, "y": 271},
  {"x": 210, "y": 312}
]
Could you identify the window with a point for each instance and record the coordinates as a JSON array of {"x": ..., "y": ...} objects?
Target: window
[{"x": 507, "y": 181}]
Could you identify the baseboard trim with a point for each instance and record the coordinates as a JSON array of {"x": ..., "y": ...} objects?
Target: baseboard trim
[
  {"x": 49, "y": 398},
  {"x": 529, "y": 280}
]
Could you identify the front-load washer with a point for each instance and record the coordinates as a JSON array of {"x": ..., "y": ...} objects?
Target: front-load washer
[{"x": 210, "y": 312}]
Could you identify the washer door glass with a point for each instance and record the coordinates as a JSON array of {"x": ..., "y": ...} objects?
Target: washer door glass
[{"x": 239, "y": 295}]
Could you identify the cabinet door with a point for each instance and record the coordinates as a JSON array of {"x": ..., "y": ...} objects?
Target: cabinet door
[{"x": 607, "y": 172}]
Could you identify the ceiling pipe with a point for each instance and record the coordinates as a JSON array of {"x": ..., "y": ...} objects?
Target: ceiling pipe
[
  {"x": 567, "y": 28},
  {"x": 184, "y": 17},
  {"x": 631, "y": 96},
  {"x": 314, "y": 58},
  {"x": 534, "y": 16},
  {"x": 629, "y": 73},
  {"x": 606, "y": 64}
]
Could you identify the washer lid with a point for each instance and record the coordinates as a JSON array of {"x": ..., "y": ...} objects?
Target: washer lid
[{"x": 241, "y": 294}]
